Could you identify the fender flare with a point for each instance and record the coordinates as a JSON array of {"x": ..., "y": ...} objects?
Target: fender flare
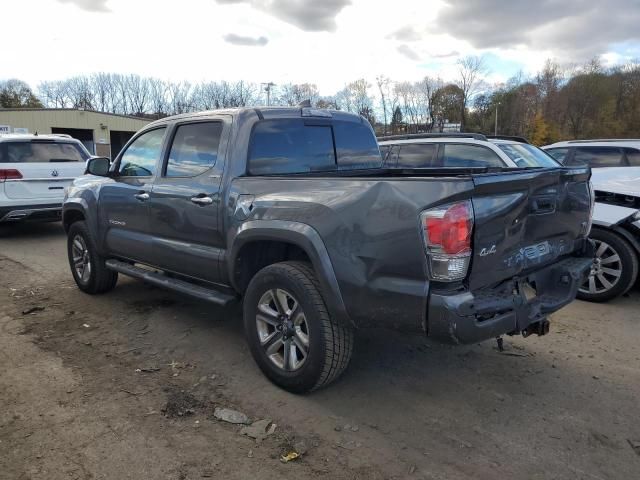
[
  {"x": 75, "y": 205},
  {"x": 304, "y": 237}
]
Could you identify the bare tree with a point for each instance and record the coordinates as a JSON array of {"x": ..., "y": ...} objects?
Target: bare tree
[
  {"x": 293, "y": 94},
  {"x": 426, "y": 89},
  {"x": 138, "y": 93},
  {"x": 471, "y": 69}
]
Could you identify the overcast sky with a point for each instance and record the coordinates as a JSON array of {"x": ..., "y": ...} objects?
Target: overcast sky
[{"x": 327, "y": 42}]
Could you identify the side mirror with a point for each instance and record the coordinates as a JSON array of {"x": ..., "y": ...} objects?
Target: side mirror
[{"x": 98, "y": 166}]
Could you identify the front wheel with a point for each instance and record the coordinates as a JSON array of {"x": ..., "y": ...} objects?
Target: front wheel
[
  {"x": 87, "y": 266},
  {"x": 291, "y": 335},
  {"x": 614, "y": 270}
]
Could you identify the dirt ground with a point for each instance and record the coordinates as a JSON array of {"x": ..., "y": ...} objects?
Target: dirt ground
[{"x": 124, "y": 385}]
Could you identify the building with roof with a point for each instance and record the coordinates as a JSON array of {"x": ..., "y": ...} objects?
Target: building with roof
[{"x": 104, "y": 134}]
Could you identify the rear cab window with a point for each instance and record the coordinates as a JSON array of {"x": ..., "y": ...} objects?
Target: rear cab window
[
  {"x": 356, "y": 146},
  {"x": 283, "y": 146},
  {"x": 41, "y": 152}
]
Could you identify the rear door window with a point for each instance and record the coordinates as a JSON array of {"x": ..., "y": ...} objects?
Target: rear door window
[
  {"x": 468, "y": 156},
  {"x": 598, "y": 157},
  {"x": 291, "y": 146},
  {"x": 416, "y": 155},
  {"x": 194, "y": 149},
  {"x": 42, "y": 152},
  {"x": 141, "y": 156}
]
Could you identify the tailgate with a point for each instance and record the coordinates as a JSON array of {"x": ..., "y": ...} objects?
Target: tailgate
[
  {"x": 41, "y": 180},
  {"x": 525, "y": 220}
]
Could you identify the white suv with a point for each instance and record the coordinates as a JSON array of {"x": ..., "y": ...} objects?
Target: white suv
[
  {"x": 596, "y": 153},
  {"x": 461, "y": 150},
  {"x": 34, "y": 171}
]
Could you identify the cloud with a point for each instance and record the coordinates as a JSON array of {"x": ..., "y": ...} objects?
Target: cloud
[
  {"x": 89, "y": 5},
  {"x": 452, "y": 53},
  {"x": 406, "y": 34},
  {"x": 408, "y": 52},
  {"x": 308, "y": 15},
  {"x": 570, "y": 27},
  {"x": 241, "y": 40}
]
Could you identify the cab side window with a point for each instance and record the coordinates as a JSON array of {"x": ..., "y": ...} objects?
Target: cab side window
[
  {"x": 141, "y": 157},
  {"x": 290, "y": 146},
  {"x": 194, "y": 149}
]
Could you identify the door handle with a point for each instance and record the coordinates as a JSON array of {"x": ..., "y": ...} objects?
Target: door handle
[
  {"x": 142, "y": 196},
  {"x": 202, "y": 200}
]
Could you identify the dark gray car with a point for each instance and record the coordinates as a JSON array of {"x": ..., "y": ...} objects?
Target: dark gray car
[{"x": 290, "y": 210}]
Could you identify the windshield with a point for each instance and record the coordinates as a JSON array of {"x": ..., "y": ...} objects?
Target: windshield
[
  {"x": 527, "y": 155},
  {"x": 35, "y": 152}
]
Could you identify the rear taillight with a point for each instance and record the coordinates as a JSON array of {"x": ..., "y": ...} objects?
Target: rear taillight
[
  {"x": 9, "y": 174},
  {"x": 447, "y": 237}
]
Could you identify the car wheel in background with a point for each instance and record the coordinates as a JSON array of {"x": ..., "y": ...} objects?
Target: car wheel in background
[{"x": 614, "y": 270}]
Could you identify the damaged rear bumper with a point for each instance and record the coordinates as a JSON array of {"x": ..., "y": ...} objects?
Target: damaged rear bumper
[{"x": 515, "y": 306}]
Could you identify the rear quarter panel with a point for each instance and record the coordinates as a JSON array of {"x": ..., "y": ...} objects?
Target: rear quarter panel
[{"x": 371, "y": 230}]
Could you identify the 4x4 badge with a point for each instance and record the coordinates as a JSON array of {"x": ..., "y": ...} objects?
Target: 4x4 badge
[
  {"x": 488, "y": 251},
  {"x": 54, "y": 173}
]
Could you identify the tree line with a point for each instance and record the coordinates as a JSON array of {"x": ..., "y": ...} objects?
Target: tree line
[{"x": 556, "y": 103}]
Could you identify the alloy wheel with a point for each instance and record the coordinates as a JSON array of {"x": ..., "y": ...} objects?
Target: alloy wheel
[
  {"x": 282, "y": 329},
  {"x": 81, "y": 258},
  {"x": 605, "y": 270}
]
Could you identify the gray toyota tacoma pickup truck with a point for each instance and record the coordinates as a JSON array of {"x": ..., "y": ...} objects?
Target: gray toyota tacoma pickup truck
[{"x": 291, "y": 211}]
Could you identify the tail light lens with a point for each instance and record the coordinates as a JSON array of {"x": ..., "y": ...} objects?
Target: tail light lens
[
  {"x": 447, "y": 237},
  {"x": 9, "y": 174}
]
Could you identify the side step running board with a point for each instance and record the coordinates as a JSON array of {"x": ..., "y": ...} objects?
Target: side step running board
[{"x": 160, "y": 280}]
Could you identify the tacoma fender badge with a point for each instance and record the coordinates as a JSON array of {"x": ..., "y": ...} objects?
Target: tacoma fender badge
[{"x": 488, "y": 251}]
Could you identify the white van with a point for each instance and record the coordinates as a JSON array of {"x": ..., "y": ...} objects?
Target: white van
[{"x": 34, "y": 171}]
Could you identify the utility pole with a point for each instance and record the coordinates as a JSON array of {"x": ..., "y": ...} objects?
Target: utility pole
[
  {"x": 267, "y": 88},
  {"x": 496, "y": 128}
]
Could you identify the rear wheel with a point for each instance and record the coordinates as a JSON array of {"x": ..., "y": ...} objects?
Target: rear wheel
[
  {"x": 291, "y": 335},
  {"x": 87, "y": 266},
  {"x": 614, "y": 269}
]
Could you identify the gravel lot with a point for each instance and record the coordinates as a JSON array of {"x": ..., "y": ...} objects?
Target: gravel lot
[{"x": 124, "y": 385}]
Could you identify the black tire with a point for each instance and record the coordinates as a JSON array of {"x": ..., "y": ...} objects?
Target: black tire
[
  {"x": 627, "y": 264},
  {"x": 99, "y": 278},
  {"x": 330, "y": 343}
]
